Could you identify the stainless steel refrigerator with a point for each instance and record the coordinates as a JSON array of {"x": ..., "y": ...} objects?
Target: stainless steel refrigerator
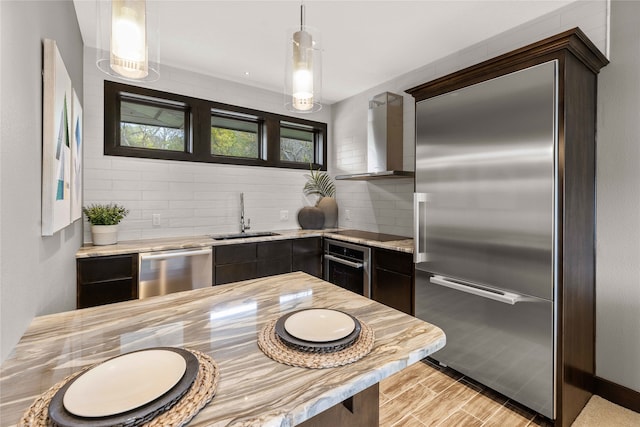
[{"x": 485, "y": 212}]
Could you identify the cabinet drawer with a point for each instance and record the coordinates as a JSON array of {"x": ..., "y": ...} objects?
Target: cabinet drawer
[
  {"x": 245, "y": 252},
  {"x": 307, "y": 246},
  {"x": 106, "y": 292},
  {"x": 277, "y": 249},
  {"x": 394, "y": 290},
  {"x": 100, "y": 269},
  {"x": 400, "y": 262},
  {"x": 235, "y": 272},
  {"x": 270, "y": 267},
  {"x": 307, "y": 256}
]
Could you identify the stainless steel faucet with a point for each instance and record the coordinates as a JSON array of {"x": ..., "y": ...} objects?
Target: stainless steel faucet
[{"x": 243, "y": 226}]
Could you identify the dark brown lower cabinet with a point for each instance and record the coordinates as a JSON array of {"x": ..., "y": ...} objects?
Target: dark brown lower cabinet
[
  {"x": 106, "y": 279},
  {"x": 361, "y": 410},
  {"x": 274, "y": 257},
  {"x": 307, "y": 256},
  {"x": 228, "y": 273},
  {"x": 233, "y": 263},
  {"x": 392, "y": 281}
]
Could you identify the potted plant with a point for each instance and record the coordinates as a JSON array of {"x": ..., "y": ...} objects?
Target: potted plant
[
  {"x": 320, "y": 183},
  {"x": 104, "y": 219}
]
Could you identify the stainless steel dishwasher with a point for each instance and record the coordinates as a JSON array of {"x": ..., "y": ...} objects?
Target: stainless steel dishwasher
[{"x": 164, "y": 272}]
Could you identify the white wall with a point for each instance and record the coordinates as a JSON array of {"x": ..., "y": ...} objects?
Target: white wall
[
  {"x": 386, "y": 205},
  {"x": 191, "y": 198},
  {"x": 618, "y": 180},
  {"x": 37, "y": 274}
]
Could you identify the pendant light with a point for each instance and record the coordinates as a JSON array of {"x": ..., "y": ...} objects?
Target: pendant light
[
  {"x": 133, "y": 52},
  {"x": 303, "y": 73}
]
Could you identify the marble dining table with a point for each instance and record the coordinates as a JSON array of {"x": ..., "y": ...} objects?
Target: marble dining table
[{"x": 222, "y": 322}]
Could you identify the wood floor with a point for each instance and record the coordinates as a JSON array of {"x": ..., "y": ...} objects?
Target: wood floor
[{"x": 426, "y": 394}]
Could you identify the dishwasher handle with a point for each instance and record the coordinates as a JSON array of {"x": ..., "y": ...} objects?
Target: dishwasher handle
[
  {"x": 174, "y": 254},
  {"x": 500, "y": 296}
]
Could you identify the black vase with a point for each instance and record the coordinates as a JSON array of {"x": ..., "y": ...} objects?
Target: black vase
[{"x": 311, "y": 218}]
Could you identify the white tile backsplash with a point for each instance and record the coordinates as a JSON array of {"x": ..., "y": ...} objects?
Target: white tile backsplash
[{"x": 191, "y": 198}]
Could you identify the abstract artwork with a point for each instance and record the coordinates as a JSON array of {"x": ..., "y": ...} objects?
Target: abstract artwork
[
  {"x": 56, "y": 142},
  {"x": 76, "y": 159}
]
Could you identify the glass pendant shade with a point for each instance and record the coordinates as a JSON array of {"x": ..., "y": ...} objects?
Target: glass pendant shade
[
  {"x": 129, "y": 39},
  {"x": 303, "y": 72},
  {"x": 126, "y": 31},
  {"x": 302, "y": 85}
]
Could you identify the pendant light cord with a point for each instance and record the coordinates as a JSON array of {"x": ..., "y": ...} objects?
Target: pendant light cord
[{"x": 301, "y": 16}]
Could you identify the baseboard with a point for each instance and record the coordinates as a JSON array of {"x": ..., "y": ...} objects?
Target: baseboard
[{"x": 616, "y": 393}]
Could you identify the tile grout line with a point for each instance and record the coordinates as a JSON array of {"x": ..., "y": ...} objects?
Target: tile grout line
[
  {"x": 471, "y": 415},
  {"x": 459, "y": 407},
  {"x": 468, "y": 384},
  {"x": 411, "y": 412},
  {"x": 400, "y": 422},
  {"x": 453, "y": 413}
]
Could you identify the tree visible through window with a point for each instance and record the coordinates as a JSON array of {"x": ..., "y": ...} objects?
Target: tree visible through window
[
  {"x": 151, "y": 126},
  {"x": 234, "y": 137},
  {"x": 160, "y": 138},
  {"x": 296, "y": 143}
]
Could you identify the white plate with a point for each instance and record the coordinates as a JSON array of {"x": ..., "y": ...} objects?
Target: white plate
[
  {"x": 124, "y": 383},
  {"x": 319, "y": 325}
]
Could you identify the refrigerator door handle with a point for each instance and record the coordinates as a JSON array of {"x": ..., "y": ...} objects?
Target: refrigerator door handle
[
  {"x": 419, "y": 237},
  {"x": 500, "y": 296}
]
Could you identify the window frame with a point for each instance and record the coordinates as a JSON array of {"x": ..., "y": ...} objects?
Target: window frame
[
  {"x": 144, "y": 96},
  {"x": 198, "y": 114},
  {"x": 229, "y": 111},
  {"x": 188, "y": 143},
  {"x": 318, "y": 141}
]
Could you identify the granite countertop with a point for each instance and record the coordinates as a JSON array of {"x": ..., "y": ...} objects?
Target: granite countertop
[
  {"x": 222, "y": 321},
  {"x": 163, "y": 244}
]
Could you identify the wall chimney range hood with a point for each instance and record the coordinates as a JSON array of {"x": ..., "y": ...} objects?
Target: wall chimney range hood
[{"x": 384, "y": 140}]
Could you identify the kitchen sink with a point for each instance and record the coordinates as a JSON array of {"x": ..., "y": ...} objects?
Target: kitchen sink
[{"x": 243, "y": 235}]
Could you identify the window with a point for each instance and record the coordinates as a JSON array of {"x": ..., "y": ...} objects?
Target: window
[
  {"x": 152, "y": 126},
  {"x": 235, "y": 136},
  {"x": 297, "y": 143},
  {"x": 147, "y": 123}
]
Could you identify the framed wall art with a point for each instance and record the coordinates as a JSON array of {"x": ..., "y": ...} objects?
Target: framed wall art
[
  {"x": 76, "y": 158},
  {"x": 56, "y": 142}
]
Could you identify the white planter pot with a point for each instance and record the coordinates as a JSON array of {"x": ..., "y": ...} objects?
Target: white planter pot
[{"x": 104, "y": 234}]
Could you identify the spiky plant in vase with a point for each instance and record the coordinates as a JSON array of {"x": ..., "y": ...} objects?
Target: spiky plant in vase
[
  {"x": 320, "y": 183},
  {"x": 104, "y": 219}
]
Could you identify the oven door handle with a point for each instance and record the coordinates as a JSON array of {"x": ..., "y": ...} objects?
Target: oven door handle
[{"x": 344, "y": 261}]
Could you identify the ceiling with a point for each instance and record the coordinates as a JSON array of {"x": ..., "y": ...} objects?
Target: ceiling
[{"x": 364, "y": 43}]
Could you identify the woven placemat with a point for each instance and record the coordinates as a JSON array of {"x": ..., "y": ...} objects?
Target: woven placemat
[
  {"x": 201, "y": 392},
  {"x": 273, "y": 347}
]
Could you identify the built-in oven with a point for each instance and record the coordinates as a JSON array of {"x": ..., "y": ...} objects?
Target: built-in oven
[{"x": 348, "y": 266}]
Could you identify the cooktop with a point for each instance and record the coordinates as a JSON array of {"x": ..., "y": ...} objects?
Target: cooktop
[{"x": 369, "y": 235}]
